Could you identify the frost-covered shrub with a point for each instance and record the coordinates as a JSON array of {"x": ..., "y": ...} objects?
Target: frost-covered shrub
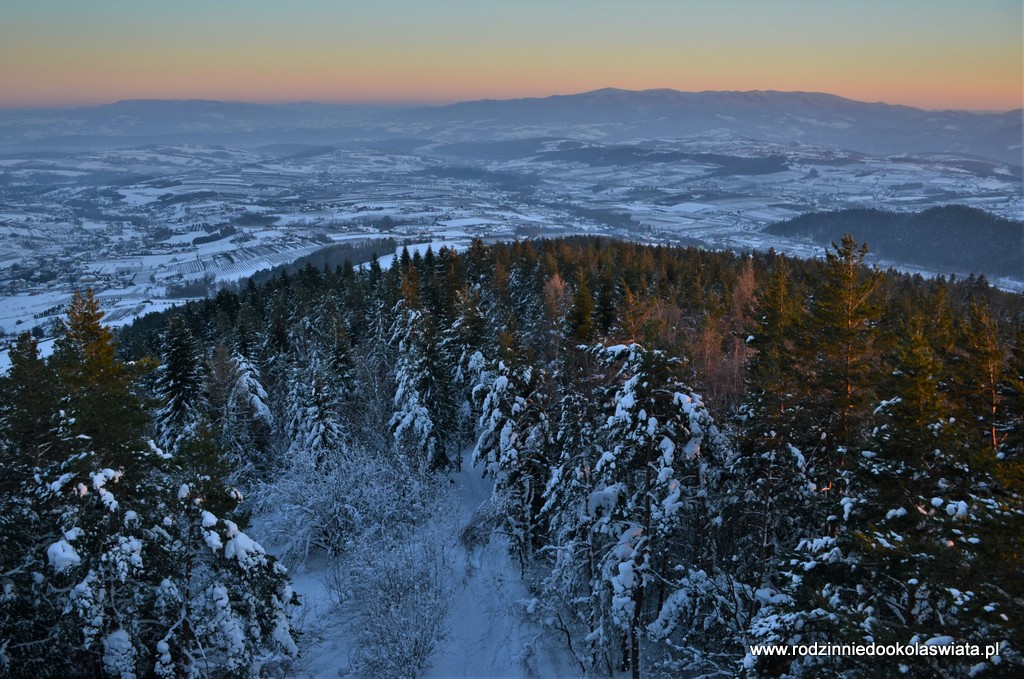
[
  {"x": 393, "y": 586},
  {"x": 403, "y": 595},
  {"x": 323, "y": 508}
]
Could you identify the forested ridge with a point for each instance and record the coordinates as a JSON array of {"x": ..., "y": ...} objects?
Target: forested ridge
[
  {"x": 947, "y": 238},
  {"x": 692, "y": 452}
]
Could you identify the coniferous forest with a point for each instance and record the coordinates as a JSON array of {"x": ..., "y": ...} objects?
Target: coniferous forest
[
  {"x": 949, "y": 238},
  {"x": 691, "y": 452}
]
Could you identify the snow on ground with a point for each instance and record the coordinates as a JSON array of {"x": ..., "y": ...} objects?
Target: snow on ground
[
  {"x": 489, "y": 635},
  {"x": 137, "y": 196},
  {"x": 466, "y": 221},
  {"x": 386, "y": 261},
  {"x": 323, "y": 652}
]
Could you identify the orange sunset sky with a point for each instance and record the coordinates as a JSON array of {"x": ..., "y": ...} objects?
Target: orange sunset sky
[{"x": 925, "y": 53}]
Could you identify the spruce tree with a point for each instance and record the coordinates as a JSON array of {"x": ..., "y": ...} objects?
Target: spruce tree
[
  {"x": 27, "y": 395},
  {"x": 179, "y": 385},
  {"x": 126, "y": 569},
  {"x": 424, "y": 422},
  {"x": 28, "y": 446},
  {"x": 845, "y": 331},
  {"x": 101, "y": 404},
  {"x": 650, "y": 508},
  {"x": 581, "y": 313},
  {"x": 515, "y": 448},
  {"x": 313, "y": 429}
]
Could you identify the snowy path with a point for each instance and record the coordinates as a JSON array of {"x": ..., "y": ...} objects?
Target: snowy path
[{"x": 489, "y": 636}]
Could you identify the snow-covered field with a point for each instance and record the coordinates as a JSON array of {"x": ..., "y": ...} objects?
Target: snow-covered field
[{"x": 80, "y": 220}]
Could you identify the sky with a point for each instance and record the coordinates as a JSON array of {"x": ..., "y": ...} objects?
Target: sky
[{"x": 934, "y": 54}]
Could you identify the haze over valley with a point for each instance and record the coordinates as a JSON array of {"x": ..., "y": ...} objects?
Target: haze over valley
[{"x": 146, "y": 201}]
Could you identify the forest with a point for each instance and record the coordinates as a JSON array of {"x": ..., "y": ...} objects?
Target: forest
[
  {"x": 691, "y": 452},
  {"x": 947, "y": 238}
]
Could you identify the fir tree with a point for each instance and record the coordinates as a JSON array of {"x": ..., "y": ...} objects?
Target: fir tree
[
  {"x": 96, "y": 388},
  {"x": 28, "y": 391},
  {"x": 845, "y": 330},
  {"x": 110, "y": 581},
  {"x": 179, "y": 385}
]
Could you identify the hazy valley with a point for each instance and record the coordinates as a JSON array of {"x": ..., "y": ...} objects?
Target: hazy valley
[{"x": 145, "y": 201}]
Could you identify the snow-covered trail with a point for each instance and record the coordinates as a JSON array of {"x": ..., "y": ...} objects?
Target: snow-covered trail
[{"x": 490, "y": 635}]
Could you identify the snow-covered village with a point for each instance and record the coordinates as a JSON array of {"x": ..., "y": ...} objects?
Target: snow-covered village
[{"x": 469, "y": 340}]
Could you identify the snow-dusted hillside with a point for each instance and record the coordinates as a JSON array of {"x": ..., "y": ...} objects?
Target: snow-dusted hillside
[{"x": 678, "y": 454}]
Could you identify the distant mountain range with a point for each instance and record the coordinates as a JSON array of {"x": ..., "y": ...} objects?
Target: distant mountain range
[
  {"x": 807, "y": 117},
  {"x": 608, "y": 115}
]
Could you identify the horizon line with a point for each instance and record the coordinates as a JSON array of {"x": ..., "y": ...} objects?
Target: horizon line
[{"x": 416, "y": 103}]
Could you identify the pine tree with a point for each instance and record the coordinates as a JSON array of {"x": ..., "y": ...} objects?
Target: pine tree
[
  {"x": 779, "y": 316},
  {"x": 27, "y": 395},
  {"x": 861, "y": 498},
  {"x": 771, "y": 483},
  {"x": 581, "y": 313},
  {"x": 984, "y": 357},
  {"x": 1010, "y": 470},
  {"x": 918, "y": 410},
  {"x": 910, "y": 559},
  {"x": 109, "y": 580},
  {"x": 917, "y": 548},
  {"x": 605, "y": 312},
  {"x": 179, "y": 385},
  {"x": 845, "y": 331},
  {"x": 235, "y": 587},
  {"x": 514, "y": 448},
  {"x": 97, "y": 390}
]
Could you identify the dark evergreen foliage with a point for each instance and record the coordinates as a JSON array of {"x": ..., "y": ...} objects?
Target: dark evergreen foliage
[
  {"x": 692, "y": 451},
  {"x": 121, "y": 559},
  {"x": 950, "y": 238}
]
